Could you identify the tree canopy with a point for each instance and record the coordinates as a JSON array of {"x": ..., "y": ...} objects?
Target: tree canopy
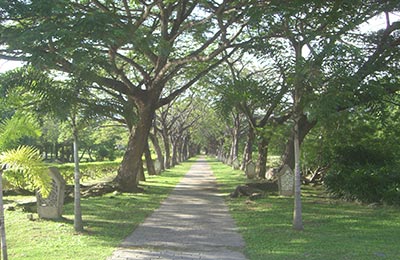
[{"x": 259, "y": 72}]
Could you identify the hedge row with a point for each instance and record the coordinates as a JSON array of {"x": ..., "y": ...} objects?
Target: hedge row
[{"x": 89, "y": 170}]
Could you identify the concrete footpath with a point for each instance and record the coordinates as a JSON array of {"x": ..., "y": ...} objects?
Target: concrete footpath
[{"x": 192, "y": 223}]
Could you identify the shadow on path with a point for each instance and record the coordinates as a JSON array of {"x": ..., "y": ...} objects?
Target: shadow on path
[{"x": 192, "y": 223}]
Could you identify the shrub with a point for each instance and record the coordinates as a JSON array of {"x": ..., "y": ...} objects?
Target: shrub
[
  {"x": 89, "y": 170},
  {"x": 366, "y": 174}
]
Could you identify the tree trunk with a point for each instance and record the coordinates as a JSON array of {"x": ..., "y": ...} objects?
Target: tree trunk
[
  {"x": 179, "y": 150},
  {"x": 194, "y": 150},
  {"x": 149, "y": 161},
  {"x": 181, "y": 147},
  {"x": 298, "y": 138},
  {"x": 128, "y": 172},
  {"x": 2, "y": 226},
  {"x": 141, "y": 176},
  {"x": 248, "y": 149},
  {"x": 174, "y": 159},
  {"x": 185, "y": 149},
  {"x": 221, "y": 151},
  {"x": 78, "y": 222},
  {"x": 90, "y": 155},
  {"x": 297, "y": 212},
  {"x": 235, "y": 138},
  {"x": 160, "y": 156},
  {"x": 56, "y": 150},
  {"x": 83, "y": 154},
  {"x": 304, "y": 127},
  {"x": 167, "y": 147},
  {"x": 262, "y": 157},
  {"x": 62, "y": 153}
]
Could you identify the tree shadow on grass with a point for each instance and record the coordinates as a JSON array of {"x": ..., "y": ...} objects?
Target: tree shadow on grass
[{"x": 113, "y": 216}]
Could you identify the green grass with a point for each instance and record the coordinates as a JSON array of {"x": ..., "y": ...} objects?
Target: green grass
[
  {"x": 108, "y": 220},
  {"x": 332, "y": 229}
]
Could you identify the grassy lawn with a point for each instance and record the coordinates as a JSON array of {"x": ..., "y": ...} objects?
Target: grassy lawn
[
  {"x": 332, "y": 229},
  {"x": 108, "y": 220}
]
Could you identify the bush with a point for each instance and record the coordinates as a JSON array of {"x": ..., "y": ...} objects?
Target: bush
[
  {"x": 89, "y": 170},
  {"x": 364, "y": 174},
  {"x": 363, "y": 155}
]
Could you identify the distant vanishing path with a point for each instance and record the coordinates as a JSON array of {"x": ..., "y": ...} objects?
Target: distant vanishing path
[{"x": 192, "y": 223}]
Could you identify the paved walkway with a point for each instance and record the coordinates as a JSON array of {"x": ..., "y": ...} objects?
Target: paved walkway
[{"x": 192, "y": 223}]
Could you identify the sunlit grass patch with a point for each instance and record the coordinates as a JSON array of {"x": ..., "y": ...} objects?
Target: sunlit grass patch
[
  {"x": 108, "y": 220},
  {"x": 333, "y": 229}
]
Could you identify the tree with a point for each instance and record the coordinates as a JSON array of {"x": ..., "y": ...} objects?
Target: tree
[
  {"x": 126, "y": 48},
  {"x": 78, "y": 222},
  {"x": 209, "y": 129},
  {"x": 174, "y": 122},
  {"x": 362, "y": 165},
  {"x": 188, "y": 111},
  {"x": 76, "y": 112},
  {"x": 336, "y": 60},
  {"x": 104, "y": 139},
  {"x": 163, "y": 124},
  {"x": 260, "y": 95},
  {"x": 157, "y": 147}
]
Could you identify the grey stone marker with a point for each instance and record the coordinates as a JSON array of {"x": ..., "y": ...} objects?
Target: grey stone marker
[
  {"x": 157, "y": 166},
  {"x": 271, "y": 174},
  {"x": 286, "y": 181},
  {"x": 236, "y": 164},
  {"x": 52, "y": 206},
  {"x": 251, "y": 170}
]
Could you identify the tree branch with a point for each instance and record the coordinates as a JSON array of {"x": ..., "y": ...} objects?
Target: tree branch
[{"x": 177, "y": 92}]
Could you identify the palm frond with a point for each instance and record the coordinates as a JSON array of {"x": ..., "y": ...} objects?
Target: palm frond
[
  {"x": 16, "y": 127},
  {"x": 26, "y": 160}
]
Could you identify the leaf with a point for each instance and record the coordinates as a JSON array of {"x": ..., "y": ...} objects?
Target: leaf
[
  {"x": 27, "y": 161},
  {"x": 16, "y": 127}
]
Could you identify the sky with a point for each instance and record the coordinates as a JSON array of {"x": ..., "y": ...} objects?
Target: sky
[{"x": 6, "y": 65}]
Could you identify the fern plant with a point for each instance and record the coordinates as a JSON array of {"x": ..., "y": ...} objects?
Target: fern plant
[
  {"x": 26, "y": 163},
  {"x": 14, "y": 128},
  {"x": 23, "y": 163}
]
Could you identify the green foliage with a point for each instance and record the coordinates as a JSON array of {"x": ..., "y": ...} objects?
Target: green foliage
[
  {"x": 365, "y": 173},
  {"x": 105, "y": 141},
  {"x": 364, "y": 164},
  {"x": 361, "y": 155},
  {"x": 13, "y": 129},
  {"x": 209, "y": 129},
  {"x": 18, "y": 122},
  {"x": 24, "y": 89},
  {"x": 366, "y": 183},
  {"x": 277, "y": 144},
  {"x": 24, "y": 166},
  {"x": 89, "y": 171}
]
